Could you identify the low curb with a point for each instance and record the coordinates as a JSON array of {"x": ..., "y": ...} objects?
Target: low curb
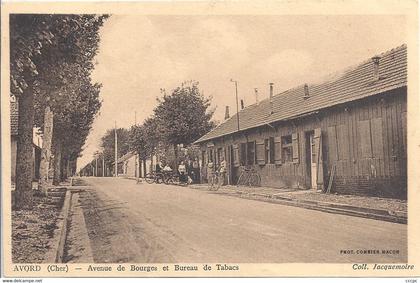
[
  {"x": 56, "y": 254},
  {"x": 338, "y": 208}
]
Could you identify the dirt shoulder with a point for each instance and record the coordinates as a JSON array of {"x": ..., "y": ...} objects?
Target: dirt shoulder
[{"x": 33, "y": 230}]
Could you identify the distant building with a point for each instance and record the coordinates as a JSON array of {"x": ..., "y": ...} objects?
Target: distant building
[
  {"x": 128, "y": 165},
  {"x": 352, "y": 131}
]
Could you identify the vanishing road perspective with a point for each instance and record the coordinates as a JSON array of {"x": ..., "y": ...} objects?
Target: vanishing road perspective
[
  {"x": 209, "y": 139},
  {"x": 145, "y": 223}
]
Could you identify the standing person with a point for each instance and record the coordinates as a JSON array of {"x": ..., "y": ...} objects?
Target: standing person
[
  {"x": 222, "y": 171},
  {"x": 196, "y": 170},
  {"x": 182, "y": 172},
  {"x": 159, "y": 167},
  {"x": 190, "y": 169},
  {"x": 210, "y": 173}
]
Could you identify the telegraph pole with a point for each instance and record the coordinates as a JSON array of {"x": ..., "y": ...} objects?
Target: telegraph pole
[
  {"x": 96, "y": 165},
  {"x": 103, "y": 165},
  {"x": 237, "y": 105},
  {"x": 116, "y": 151}
]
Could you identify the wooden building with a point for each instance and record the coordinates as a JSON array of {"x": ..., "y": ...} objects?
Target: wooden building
[{"x": 351, "y": 130}]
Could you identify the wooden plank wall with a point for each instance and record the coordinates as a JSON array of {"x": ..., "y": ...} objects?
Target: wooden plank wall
[{"x": 386, "y": 158}]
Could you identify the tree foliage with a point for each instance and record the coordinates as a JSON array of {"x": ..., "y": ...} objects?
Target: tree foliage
[
  {"x": 185, "y": 115},
  {"x": 51, "y": 60},
  {"x": 139, "y": 143}
]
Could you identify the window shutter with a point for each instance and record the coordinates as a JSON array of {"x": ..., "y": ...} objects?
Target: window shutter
[
  {"x": 295, "y": 147},
  {"x": 343, "y": 142},
  {"x": 277, "y": 150},
  {"x": 377, "y": 142},
  {"x": 365, "y": 142},
  {"x": 332, "y": 144},
  {"x": 260, "y": 152},
  {"x": 236, "y": 155}
]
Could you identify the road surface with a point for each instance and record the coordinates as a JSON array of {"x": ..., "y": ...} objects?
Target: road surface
[{"x": 129, "y": 222}]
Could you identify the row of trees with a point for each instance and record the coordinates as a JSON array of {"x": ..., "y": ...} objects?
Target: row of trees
[
  {"x": 51, "y": 59},
  {"x": 181, "y": 117}
]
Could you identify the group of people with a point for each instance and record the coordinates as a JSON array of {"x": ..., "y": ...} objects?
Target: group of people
[{"x": 189, "y": 171}]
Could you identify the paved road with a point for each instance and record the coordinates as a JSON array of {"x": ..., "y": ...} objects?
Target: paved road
[{"x": 129, "y": 222}]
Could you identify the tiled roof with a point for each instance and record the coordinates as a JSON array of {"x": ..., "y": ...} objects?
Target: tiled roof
[
  {"x": 14, "y": 118},
  {"x": 354, "y": 84}
]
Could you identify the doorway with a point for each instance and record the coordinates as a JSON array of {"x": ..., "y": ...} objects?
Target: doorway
[
  {"x": 314, "y": 163},
  {"x": 311, "y": 160}
]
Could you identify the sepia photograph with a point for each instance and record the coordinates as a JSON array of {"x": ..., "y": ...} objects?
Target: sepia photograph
[{"x": 175, "y": 143}]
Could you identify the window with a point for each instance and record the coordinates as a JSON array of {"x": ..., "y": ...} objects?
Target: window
[
  {"x": 251, "y": 153},
  {"x": 269, "y": 150},
  {"x": 236, "y": 155},
  {"x": 219, "y": 155},
  {"x": 287, "y": 148},
  {"x": 210, "y": 157}
]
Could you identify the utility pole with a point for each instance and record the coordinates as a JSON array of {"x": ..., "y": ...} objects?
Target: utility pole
[
  {"x": 135, "y": 118},
  {"x": 116, "y": 151},
  {"x": 103, "y": 165},
  {"x": 237, "y": 104},
  {"x": 96, "y": 165}
]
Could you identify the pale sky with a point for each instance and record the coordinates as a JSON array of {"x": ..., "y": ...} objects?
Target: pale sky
[{"x": 139, "y": 55}]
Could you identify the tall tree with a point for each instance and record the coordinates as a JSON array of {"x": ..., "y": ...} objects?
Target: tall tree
[
  {"x": 138, "y": 143},
  {"x": 28, "y": 36},
  {"x": 184, "y": 116},
  {"x": 46, "y": 51}
]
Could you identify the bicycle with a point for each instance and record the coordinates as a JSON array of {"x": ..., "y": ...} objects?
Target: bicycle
[
  {"x": 174, "y": 179},
  {"x": 154, "y": 177},
  {"x": 249, "y": 177},
  {"x": 216, "y": 181}
]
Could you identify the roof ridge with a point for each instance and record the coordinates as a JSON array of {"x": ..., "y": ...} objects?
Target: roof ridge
[
  {"x": 347, "y": 84},
  {"x": 342, "y": 72}
]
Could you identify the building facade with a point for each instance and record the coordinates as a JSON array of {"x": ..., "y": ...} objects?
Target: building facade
[{"x": 348, "y": 135}]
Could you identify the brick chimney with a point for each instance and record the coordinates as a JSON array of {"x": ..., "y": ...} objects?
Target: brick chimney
[
  {"x": 256, "y": 95},
  {"x": 242, "y": 104},
  {"x": 227, "y": 113},
  {"x": 306, "y": 91},
  {"x": 375, "y": 61},
  {"x": 271, "y": 98}
]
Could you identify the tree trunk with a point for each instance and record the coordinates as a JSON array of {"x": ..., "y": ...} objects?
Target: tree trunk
[
  {"x": 139, "y": 166},
  {"x": 46, "y": 149},
  {"x": 74, "y": 167},
  {"x": 24, "y": 154},
  {"x": 57, "y": 162},
  {"x": 64, "y": 168},
  {"x": 144, "y": 168},
  {"x": 176, "y": 157}
]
